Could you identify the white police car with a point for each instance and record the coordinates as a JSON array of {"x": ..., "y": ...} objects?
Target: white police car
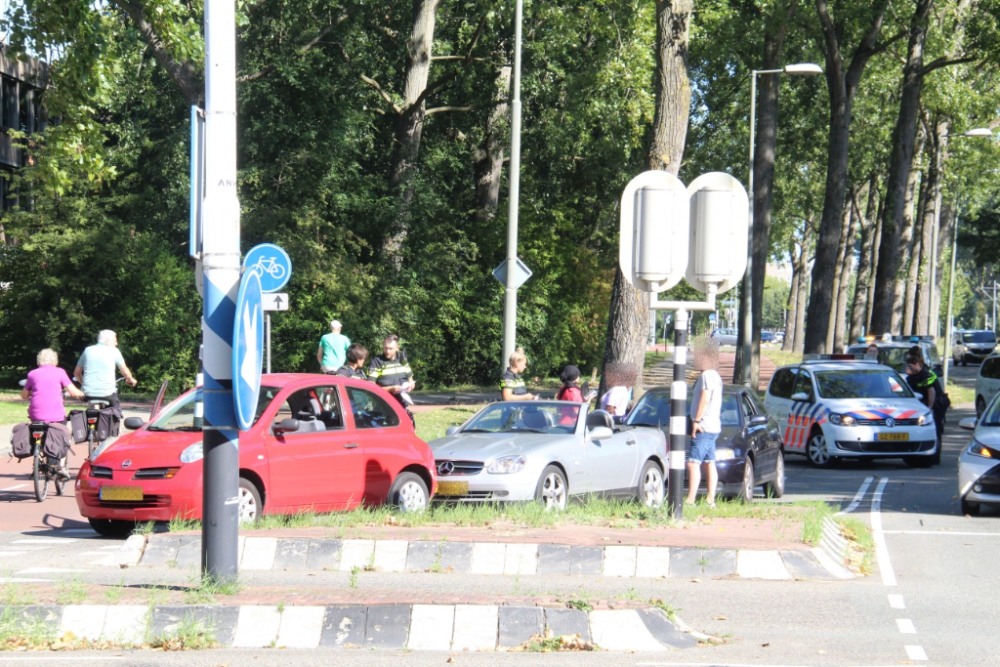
[{"x": 841, "y": 406}]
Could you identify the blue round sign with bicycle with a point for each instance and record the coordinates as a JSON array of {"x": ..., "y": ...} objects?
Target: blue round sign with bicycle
[{"x": 272, "y": 263}]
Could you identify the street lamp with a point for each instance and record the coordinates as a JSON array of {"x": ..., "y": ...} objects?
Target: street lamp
[
  {"x": 513, "y": 199},
  {"x": 746, "y": 326},
  {"x": 980, "y": 132}
]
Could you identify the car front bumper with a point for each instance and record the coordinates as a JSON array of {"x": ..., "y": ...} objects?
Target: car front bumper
[
  {"x": 162, "y": 499},
  {"x": 485, "y": 487},
  {"x": 978, "y": 479},
  {"x": 864, "y": 442}
]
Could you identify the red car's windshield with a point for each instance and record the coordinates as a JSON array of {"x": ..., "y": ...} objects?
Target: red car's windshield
[{"x": 180, "y": 415}]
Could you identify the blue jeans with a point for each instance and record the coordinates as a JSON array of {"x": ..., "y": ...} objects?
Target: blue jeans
[{"x": 703, "y": 448}]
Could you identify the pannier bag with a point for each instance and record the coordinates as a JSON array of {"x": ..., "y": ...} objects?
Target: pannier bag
[
  {"x": 20, "y": 441},
  {"x": 78, "y": 425},
  {"x": 108, "y": 424}
]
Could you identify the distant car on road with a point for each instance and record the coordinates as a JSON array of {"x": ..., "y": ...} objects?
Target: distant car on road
[
  {"x": 979, "y": 462},
  {"x": 748, "y": 452},
  {"x": 548, "y": 451},
  {"x": 724, "y": 336},
  {"x": 319, "y": 443},
  {"x": 768, "y": 337},
  {"x": 973, "y": 346},
  {"x": 987, "y": 382}
]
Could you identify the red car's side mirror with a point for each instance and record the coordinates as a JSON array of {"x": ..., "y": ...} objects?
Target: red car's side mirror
[{"x": 286, "y": 426}]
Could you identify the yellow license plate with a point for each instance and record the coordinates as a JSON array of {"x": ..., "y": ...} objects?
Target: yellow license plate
[
  {"x": 893, "y": 436},
  {"x": 453, "y": 488},
  {"x": 121, "y": 493}
]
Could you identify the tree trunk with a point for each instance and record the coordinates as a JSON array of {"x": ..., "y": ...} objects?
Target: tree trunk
[
  {"x": 793, "y": 300},
  {"x": 847, "y": 270},
  {"x": 489, "y": 155},
  {"x": 842, "y": 85},
  {"x": 875, "y": 247},
  {"x": 925, "y": 213},
  {"x": 859, "y": 310},
  {"x": 934, "y": 279},
  {"x": 838, "y": 272},
  {"x": 798, "y": 344},
  {"x": 628, "y": 320},
  {"x": 410, "y": 120},
  {"x": 900, "y": 164},
  {"x": 765, "y": 140},
  {"x": 907, "y": 239}
]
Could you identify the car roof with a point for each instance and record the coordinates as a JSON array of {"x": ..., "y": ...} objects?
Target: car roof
[
  {"x": 726, "y": 388},
  {"x": 283, "y": 379},
  {"x": 839, "y": 366}
]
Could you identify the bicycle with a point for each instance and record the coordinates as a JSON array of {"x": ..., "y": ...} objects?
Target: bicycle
[
  {"x": 270, "y": 266},
  {"x": 48, "y": 470},
  {"x": 94, "y": 407}
]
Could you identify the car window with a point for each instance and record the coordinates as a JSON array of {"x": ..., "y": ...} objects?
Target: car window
[
  {"x": 315, "y": 408},
  {"x": 804, "y": 385},
  {"x": 530, "y": 417},
  {"x": 371, "y": 410},
  {"x": 862, "y": 384},
  {"x": 653, "y": 409},
  {"x": 783, "y": 382},
  {"x": 980, "y": 337},
  {"x": 749, "y": 409},
  {"x": 991, "y": 417},
  {"x": 989, "y": 369},
  {"x": 180, "y": 414},
  {"x": 931, "y": 354}
]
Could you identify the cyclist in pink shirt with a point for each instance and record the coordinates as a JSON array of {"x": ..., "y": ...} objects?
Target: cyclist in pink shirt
[{"x": 44, "y": 389}]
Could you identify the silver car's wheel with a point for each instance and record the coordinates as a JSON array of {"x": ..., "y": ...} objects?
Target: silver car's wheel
[
  {"x": 552, "y": 490},
  {"x": 651, "y": 486},
  {"x": 409, "y": 493},
  {"x": 250, "y": 505},
  {"x": 817, "y": 451}
]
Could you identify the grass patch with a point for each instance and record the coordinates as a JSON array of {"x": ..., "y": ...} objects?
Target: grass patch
[
  {"x": 811, "y": 514},
  {"x": 15, "y": 594},
  {"x": 580, "y": 605},
  {"x": 667, "y": 608},
  {"x": 13, "y": 412},
  {"x": 433, "y": 423},
  {"x": 178, "y": 525},
  {"x": 780, "y": 357},
  {"x": 22, "y": 633},
  {"x": 113, "y": 594},
  {"x": 549, "y": 642},
  {"x": 207, "y": 589},
  {"x": 812, "y": 527},
  {"x": 862, "y": 542},
  {"x": 73, "y": 591},
  {"x": 959, "y": 394},
  {"x": 190, "y": 634},
  {"x": 653, "y": 358}
]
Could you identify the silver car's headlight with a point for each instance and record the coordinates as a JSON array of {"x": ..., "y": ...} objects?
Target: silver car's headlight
[
  {"x": 724, "y": 454},
  {"x": 506, "y": 464},
  {"x": 192, "y": 453},
  {"x": 979, "y": 449},
  {"x": 842, "y": 420},
  {"x": 926, "y": 419}
]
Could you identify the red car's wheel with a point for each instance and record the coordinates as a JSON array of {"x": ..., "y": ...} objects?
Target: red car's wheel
[
  {"x": 251, "y": 506},
  {"x": 409, "y": 493}
]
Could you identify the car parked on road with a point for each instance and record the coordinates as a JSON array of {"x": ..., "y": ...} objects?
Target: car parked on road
[
  {"x": 547, "y": 451},
  {"x": 319, "y": 443},
  {"x": 987, "y": 382},
  {"x": 893, "y": 353},
  {"x": 973, "y": 346},
  {"x": 748, "y": 452},
  {"x": 979, "y": 462},
  {"x": 724, "y": 336},
  {"x": 832, "y": 408},
  {"x": 768, "y": 337}
]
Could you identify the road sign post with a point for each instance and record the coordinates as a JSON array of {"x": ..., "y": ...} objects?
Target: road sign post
[
  {"x": 248, "y": 347},
  {"x": 272, "y": 302},
  {"x": 274, "y": 266}
]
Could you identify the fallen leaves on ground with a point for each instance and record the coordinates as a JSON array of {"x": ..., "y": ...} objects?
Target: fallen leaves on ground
[{"x": 550, "y": 642}]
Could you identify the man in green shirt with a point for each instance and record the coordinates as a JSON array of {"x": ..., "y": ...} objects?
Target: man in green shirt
[{"x": 332, "y": 349}]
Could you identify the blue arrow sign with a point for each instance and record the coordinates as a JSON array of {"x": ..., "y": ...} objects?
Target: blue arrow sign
[
  {"x": 248, "y": 349},
  {"x": 273, "y": 264}
]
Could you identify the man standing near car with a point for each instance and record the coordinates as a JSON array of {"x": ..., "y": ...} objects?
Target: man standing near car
[
  {"x": 706, "y": 417},
  {"x": 332, "y": 350},
  {"x": 95, "y": 371},
  {"x": 925, "y": 383},
  {"x": 391, "y": 371}
]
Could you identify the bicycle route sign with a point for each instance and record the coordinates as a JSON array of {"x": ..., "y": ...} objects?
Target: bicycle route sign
[
  {"x": 248, "y": 348},
  {"x": 272, "y": 263}
]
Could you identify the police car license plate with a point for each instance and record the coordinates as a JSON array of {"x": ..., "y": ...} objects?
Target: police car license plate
[
  {"x": 453, "y": 488},
  {"x": 893, "y": 436},
  {"x": 133, "y": 493}
]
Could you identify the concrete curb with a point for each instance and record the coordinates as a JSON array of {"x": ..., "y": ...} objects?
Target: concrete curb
[
  {"x": 833, "y": 551},
  {"x": 413, "y": 627},
  {"x": 496, "y": 558}
]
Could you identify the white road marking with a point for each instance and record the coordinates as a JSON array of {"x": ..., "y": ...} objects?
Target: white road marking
[
  {"x": 896, "y": 602},
  {"x": 21, "y": 580},
  {"x": 881, "y": 549},
  {"x": 760, "y": 565},
  {"x": 915, "y": 653},
  {"x": 45, "y": 540},
  {"x": 11, "y": 488},
  {"x": 46, "y": 659},
  {"x": 857, "y": 496},
  {"x": 48, "y": 570},
  {"x": 938, "y": 532},
  {"x": 905, "y": 626},
  {"x": 12, "y": 553}
]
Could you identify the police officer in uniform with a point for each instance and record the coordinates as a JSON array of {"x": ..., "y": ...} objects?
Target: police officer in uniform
[
  {"x": 512, "y": 387},
  {"x": 354, "y": 368},
  {"x": 391, "y": 371}
]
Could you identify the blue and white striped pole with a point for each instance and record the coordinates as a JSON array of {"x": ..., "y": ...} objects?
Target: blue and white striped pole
[
  {"x": 221, "y": 264},
  {"x": 678, "y": 417}
]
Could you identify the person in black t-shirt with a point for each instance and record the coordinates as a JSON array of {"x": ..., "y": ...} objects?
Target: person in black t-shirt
[
  {"x": 354, "y": 368},
  {"x": 926, "y": 384}
]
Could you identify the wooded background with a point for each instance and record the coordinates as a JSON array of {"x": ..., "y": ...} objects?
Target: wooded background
[{"x": 372, "y": 146}]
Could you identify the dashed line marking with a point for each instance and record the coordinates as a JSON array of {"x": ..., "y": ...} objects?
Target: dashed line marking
[
  {"x": 11, "y": 488},
  {"x": 45, "y": 540},
  {"x": 905, "y": 626},
  {"x": 896, "y": 602},
  {"x": 881, "y": 549},
  {"x": 916, "y": 653},
  {"x": 937, "y": 532},
  {"x": 858, "y": 496}
]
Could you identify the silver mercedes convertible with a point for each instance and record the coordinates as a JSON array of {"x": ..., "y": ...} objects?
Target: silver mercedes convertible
[{"x": 547, "y": 451}]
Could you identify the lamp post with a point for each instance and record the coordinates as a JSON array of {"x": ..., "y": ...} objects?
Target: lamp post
[
  {"x": 746, "y": 292},
  {"x": 980, "y": 132},
  {"x": 510, "y": 289},
  {"x": 934, "y": 313}
]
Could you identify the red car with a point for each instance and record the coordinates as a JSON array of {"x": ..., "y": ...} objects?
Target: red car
[{"x": 320, "y": 443}]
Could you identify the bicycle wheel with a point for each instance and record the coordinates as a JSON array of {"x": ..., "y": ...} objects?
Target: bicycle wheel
[
  {"x": 39, "y": 477},
  {"x": 57, "y": 465}
]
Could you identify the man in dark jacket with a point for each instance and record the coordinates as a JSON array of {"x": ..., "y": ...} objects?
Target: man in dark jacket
[{"x": 925, "y": 383}]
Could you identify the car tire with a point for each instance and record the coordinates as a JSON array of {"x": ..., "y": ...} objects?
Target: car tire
[
  {"x": 409, "y": 493},
  {"x": 972, "y": 509},
  {"x": 652, "y": 488},
  {"x": 980, "y": 406},
  {"x": 553, "y": 489},
  {"x": 776, "y": 487},
  {"x": 112, "y": 527},
  {"x": 817, "y": 451},
  {"x": 749, "y": 483},
  {"x": 251, "y": 507}
]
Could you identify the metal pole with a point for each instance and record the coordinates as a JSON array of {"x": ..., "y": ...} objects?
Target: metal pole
[
  {"x": 510, "y": 292},
  {"x": 951, "y": 297},
  {"x": 267, "y": 328},
  {"x": 678, "y": 417},
  {"x": 746, "y": 325},
  {"x": 221, "y": 260}
]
